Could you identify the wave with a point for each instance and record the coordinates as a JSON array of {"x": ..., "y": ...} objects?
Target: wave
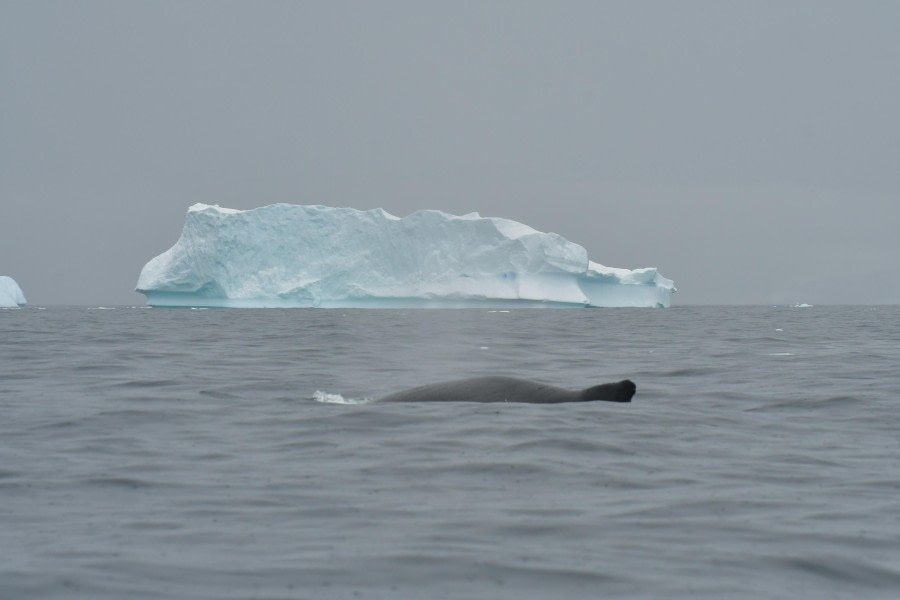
[{"x": 327, "y": 398}]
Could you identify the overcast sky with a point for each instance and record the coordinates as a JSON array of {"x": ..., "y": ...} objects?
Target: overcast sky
[{"x": 749, "y": 150}]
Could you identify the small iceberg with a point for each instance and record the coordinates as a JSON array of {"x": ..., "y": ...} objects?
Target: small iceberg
[{"x": 11, "y": 295}]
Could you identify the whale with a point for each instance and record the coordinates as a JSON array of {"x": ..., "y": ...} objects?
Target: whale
[{"x": 512, "y": 389}]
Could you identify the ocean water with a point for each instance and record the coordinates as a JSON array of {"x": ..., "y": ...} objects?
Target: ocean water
[{"x": 148, "y": 453}]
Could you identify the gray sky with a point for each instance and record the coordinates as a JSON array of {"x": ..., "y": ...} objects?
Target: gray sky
[{"x": 750, "y": 150}]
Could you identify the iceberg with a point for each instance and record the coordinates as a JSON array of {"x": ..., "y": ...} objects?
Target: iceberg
[
  {"x": 11, "y": 295},
  {"x": 287, "y": 255}
]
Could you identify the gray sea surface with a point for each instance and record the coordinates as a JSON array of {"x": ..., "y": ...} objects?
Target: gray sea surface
[{"x": 169, "y": 453}]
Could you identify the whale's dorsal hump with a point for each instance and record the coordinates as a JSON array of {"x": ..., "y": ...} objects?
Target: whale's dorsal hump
[{"x": 610, "y": 392}]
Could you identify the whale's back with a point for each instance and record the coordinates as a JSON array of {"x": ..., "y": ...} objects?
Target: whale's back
[{"x": 511, "y": 389}]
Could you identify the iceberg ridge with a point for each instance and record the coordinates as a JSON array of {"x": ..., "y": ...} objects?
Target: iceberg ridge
[
  {"x": 286, "y": 255},
  {"x": 11, "y": 295}
]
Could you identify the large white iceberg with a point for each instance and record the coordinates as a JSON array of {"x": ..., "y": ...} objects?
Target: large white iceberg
[
  {"x": 286, "y": 255},
  {"x": 11, "y": 295}
]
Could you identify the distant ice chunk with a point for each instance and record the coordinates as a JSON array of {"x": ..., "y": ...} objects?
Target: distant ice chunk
[
  {"x": 286, "y": 255},
  {"x": 11, "y": 295}
]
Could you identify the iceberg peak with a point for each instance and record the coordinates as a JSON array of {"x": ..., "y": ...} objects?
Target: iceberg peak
[
  {"x": 201, "y": 207},
  {"x": 286, "y": 255}
]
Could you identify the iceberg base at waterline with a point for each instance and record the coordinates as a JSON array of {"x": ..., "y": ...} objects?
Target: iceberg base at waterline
[
  {"x": 286, "y": 255},
  {"x": 11, "y": 295}
]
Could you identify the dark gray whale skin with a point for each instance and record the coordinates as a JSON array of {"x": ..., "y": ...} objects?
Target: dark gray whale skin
[{"x": 511, "y": 389}]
